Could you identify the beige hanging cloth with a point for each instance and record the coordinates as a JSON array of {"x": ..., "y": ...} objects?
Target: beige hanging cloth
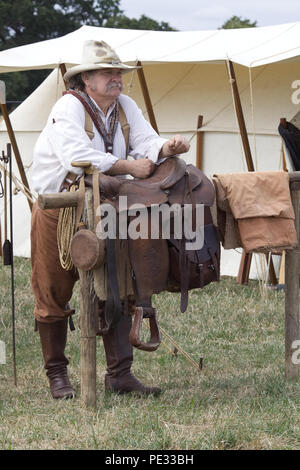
[{"x": 257, "y": 207}]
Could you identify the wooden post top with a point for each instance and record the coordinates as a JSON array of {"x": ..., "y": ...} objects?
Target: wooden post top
[{"x": 294, "y": 180}]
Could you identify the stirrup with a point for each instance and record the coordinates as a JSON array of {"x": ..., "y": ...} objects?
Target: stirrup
[{"x": 136, "y": 329}]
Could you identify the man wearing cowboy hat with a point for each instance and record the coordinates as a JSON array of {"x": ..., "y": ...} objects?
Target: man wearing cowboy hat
[{"x": 96, "y": 85}]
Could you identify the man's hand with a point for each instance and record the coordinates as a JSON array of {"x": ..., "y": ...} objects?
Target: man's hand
[
  {"x": 138, "y": 168},
  {"x": 176, "y": 145},
  {"x": 141, "y": 168}
]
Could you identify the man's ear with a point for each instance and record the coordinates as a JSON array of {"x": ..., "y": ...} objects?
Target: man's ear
[{"x": 84, "y": 77}]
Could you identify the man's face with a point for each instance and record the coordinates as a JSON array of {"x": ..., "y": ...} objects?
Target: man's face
[{"x": 105, "y": 83}]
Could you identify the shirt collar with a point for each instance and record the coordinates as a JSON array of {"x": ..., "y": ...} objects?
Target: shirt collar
[{"x": 109, "y": 111}]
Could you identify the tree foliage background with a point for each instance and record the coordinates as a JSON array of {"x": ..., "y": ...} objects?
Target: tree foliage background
[
  {"x": 27, "y": 21},
  {"x": 236, "y": 22}
]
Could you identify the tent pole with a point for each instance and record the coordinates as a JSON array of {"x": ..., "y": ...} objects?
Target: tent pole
[
  {"x": 199, "y": 145},
  {"x": 240, "y": 118},
  {"x": 243, "y": 274},
  {"x": 63, "y": 70},
  {"x": 14, "y": 145},
  {"x": 146, "y": 96},
  {"x": 284, "y": 166},
  {"x": 281, "y": 280}
]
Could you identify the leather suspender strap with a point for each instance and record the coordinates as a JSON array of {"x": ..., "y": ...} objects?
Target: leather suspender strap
[
  {"x": 86, "y": 107},
  {"x": 88, "y": 127},
  {"x": 124, "y": 126}
]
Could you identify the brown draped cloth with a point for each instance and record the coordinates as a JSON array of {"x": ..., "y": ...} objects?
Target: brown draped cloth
[{"x": 255, "y": 211}]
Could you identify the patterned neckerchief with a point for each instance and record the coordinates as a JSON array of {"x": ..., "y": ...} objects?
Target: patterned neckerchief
[{"x": 108, "y": 136}]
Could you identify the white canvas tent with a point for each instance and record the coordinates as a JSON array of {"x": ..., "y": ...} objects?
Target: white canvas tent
[{"x": 186, "y": 74}]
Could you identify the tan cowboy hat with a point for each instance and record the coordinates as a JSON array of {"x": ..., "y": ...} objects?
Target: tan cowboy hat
[{"x": 98, "y": 55}]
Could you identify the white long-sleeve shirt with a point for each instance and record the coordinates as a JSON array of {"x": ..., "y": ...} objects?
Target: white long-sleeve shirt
[{"x": 64, "y": 141}]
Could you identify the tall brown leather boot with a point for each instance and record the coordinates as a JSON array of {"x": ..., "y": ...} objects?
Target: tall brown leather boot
[
  {"x": 53, "y": 339},
  {"x": 119, "y": 358}
]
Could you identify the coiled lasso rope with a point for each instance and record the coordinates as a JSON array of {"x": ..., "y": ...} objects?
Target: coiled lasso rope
[{"x": 65, "y": 232}]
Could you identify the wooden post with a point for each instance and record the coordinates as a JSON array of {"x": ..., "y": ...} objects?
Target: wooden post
[
  {"x": 146, "y": 96},
  {"x": 272, "y": 274},
  {"x": 292, "y": 270},
  {"x": 88, "y": 324},
  {"x": 58, "y": 200},
  {"x": 199, "y": 144},
  {"x": 243, "y": 274},
  {"x": 281, "y": 280},
  {"x": 244, "y": 268},
  {"x": 88, "y": 341}
]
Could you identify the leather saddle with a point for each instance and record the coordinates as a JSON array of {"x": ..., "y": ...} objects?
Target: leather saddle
[
  {"x": 172, "y": 182},
  {"x": 166, "y": 184}
]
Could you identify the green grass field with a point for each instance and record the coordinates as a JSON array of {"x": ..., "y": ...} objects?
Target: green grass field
[{"x": 240, "y": 399}]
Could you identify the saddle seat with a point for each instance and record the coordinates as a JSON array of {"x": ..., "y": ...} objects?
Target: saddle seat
[{"x": 156, "y": 188}]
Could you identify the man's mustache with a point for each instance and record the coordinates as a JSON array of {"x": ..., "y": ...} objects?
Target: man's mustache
[{"x": 114, "y": 84}]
